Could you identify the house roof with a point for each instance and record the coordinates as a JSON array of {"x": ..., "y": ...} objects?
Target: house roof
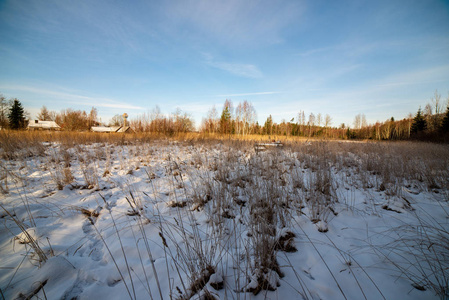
[
  {"x": 43, "y": 124},
  {"x": 105, "y": 129},
  {"x": 125, "y": 129}
]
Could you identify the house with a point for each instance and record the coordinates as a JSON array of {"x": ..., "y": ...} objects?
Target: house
[
  {"x": 105, "y": 129},
  {"x": 42, "y": 125},
  {"x": 125, "y": 129},
  {"x": 120, "y": 129}
]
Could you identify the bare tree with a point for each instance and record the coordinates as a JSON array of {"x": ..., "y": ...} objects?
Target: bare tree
[
  {"x": 44, "y": 114},
  {"x": 447, "y": 100},
  {"x": 327, "y": 122},
  {"x": 409, "y": 124},
  {"x": 283, "y": 127},
  {"x": 238, "y": 117},
  {"x": 4, "y": 109},
  {"x": 93, "y": 115},
  {"x": 71, "y": 119},
  {"x": 428, "y": 109},
  {"x": 319, "y": 119},
  {"x": 156, "y": 120},
  {"x": 388, "y": 128},
  {"x": 116, "y": 120},
  {"x": 311, "y": 123},
  {"x": 428, "y": 115},
  {"x": 182, "y": 121},
  {"x": 363, "y": 121},
  {"x": 437, "y": 105},
  {"x": 212, "y": 120},
  {"x": 436, "y": 101},
  {"x": 301, "y": 122},
  {"x": 358, "y": 121},
  {"x": 377, "y": 127},
  {"x": 248, "y": 116}
]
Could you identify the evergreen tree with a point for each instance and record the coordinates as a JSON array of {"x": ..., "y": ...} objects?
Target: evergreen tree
[
  {"x": 16, "y": 115},
  {"x": 268, "y": 126},
  {"x": 419, "y": 123},
  {"x": 445, "y": 124},
  {"x": 225, "y": 121}
]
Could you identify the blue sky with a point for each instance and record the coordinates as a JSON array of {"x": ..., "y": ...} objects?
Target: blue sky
[{"x": 342, "y": 58}]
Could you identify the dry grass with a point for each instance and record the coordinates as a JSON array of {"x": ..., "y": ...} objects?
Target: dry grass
[{"x": 248, "y": 200}]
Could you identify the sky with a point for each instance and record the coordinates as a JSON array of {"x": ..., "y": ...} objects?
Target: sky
[{"x": 342, "y": 58}]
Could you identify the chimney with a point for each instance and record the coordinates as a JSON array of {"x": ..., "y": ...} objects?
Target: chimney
[{"x": 125, "y": 117}]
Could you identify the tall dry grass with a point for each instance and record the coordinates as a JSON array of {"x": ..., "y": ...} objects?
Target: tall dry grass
[{"x": 249, "y": 201}]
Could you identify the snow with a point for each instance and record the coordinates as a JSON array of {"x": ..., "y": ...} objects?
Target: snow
[
  {"x": 105, "y": 129},
  {"x": 43, "y": 124},
  {"x": 178, "y": 219}
]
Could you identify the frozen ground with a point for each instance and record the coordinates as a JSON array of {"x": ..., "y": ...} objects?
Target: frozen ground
[{"x": 325, "y": 220}]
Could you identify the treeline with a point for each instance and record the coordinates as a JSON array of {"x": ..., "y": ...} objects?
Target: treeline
[
  {"x": 156, "y": 122},
  {"x": 13, "y": 116},
  {"x": 432, "y": 123},
  {"x": 242, "y": 121},
  {"x": 153, "y": 122}
]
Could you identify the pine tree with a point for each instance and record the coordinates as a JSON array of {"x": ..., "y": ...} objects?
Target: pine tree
[
  {"x": 225, "y": 121},
  {"x": 445, "y": 124},
  {"x": 268, "y": 126},
  {"x": 16, "y": 115},
  {"x": 419, "y": 123}
]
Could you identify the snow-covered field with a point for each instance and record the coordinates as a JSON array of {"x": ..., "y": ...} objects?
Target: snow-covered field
[{"x": 215, "y": 220}]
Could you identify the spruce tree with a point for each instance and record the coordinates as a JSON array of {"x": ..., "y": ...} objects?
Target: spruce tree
[
  {"x": 268, "y": 126},
  {"x": 16, "y": 115},
  {"x": 419, "y": 123},
  {"x": 445, "y": 124},
  {"x": 225, "y": 121}
]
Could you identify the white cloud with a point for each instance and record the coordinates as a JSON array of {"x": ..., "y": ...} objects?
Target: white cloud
[
  {"x": 419, "y": 76},
  {"x": 247, "y": 94},
  {"x": 236, "y": 22},
  {"x": 242, "y": 70},
  {"x": 72, "y": 97}
]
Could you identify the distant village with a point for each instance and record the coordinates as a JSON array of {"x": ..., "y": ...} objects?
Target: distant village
[
  {"x": 52, "y": 125},
  {"x": 430, "y": 123}
]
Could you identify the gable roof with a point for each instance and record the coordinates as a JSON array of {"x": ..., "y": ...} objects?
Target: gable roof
[
  {"x": 105, "y": 129},
  {"x": 121, "y": 129},
  {"x": 37, "y": 124},
  {"x": 125, "y": 129}
]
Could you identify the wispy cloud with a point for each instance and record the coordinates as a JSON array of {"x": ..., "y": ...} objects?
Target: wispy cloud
[
  {"x": 72, "y": 98},
  {"x": 197, "y": 107},
  {"x": 109, "y": 105},
  {"x": 247, "y": 94},
  {"x": 242, "y": 70},
  {"x": 235, "y": 22},
  {"x": 316, "y": 50},
  {"x": 416, "y": 77}
]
